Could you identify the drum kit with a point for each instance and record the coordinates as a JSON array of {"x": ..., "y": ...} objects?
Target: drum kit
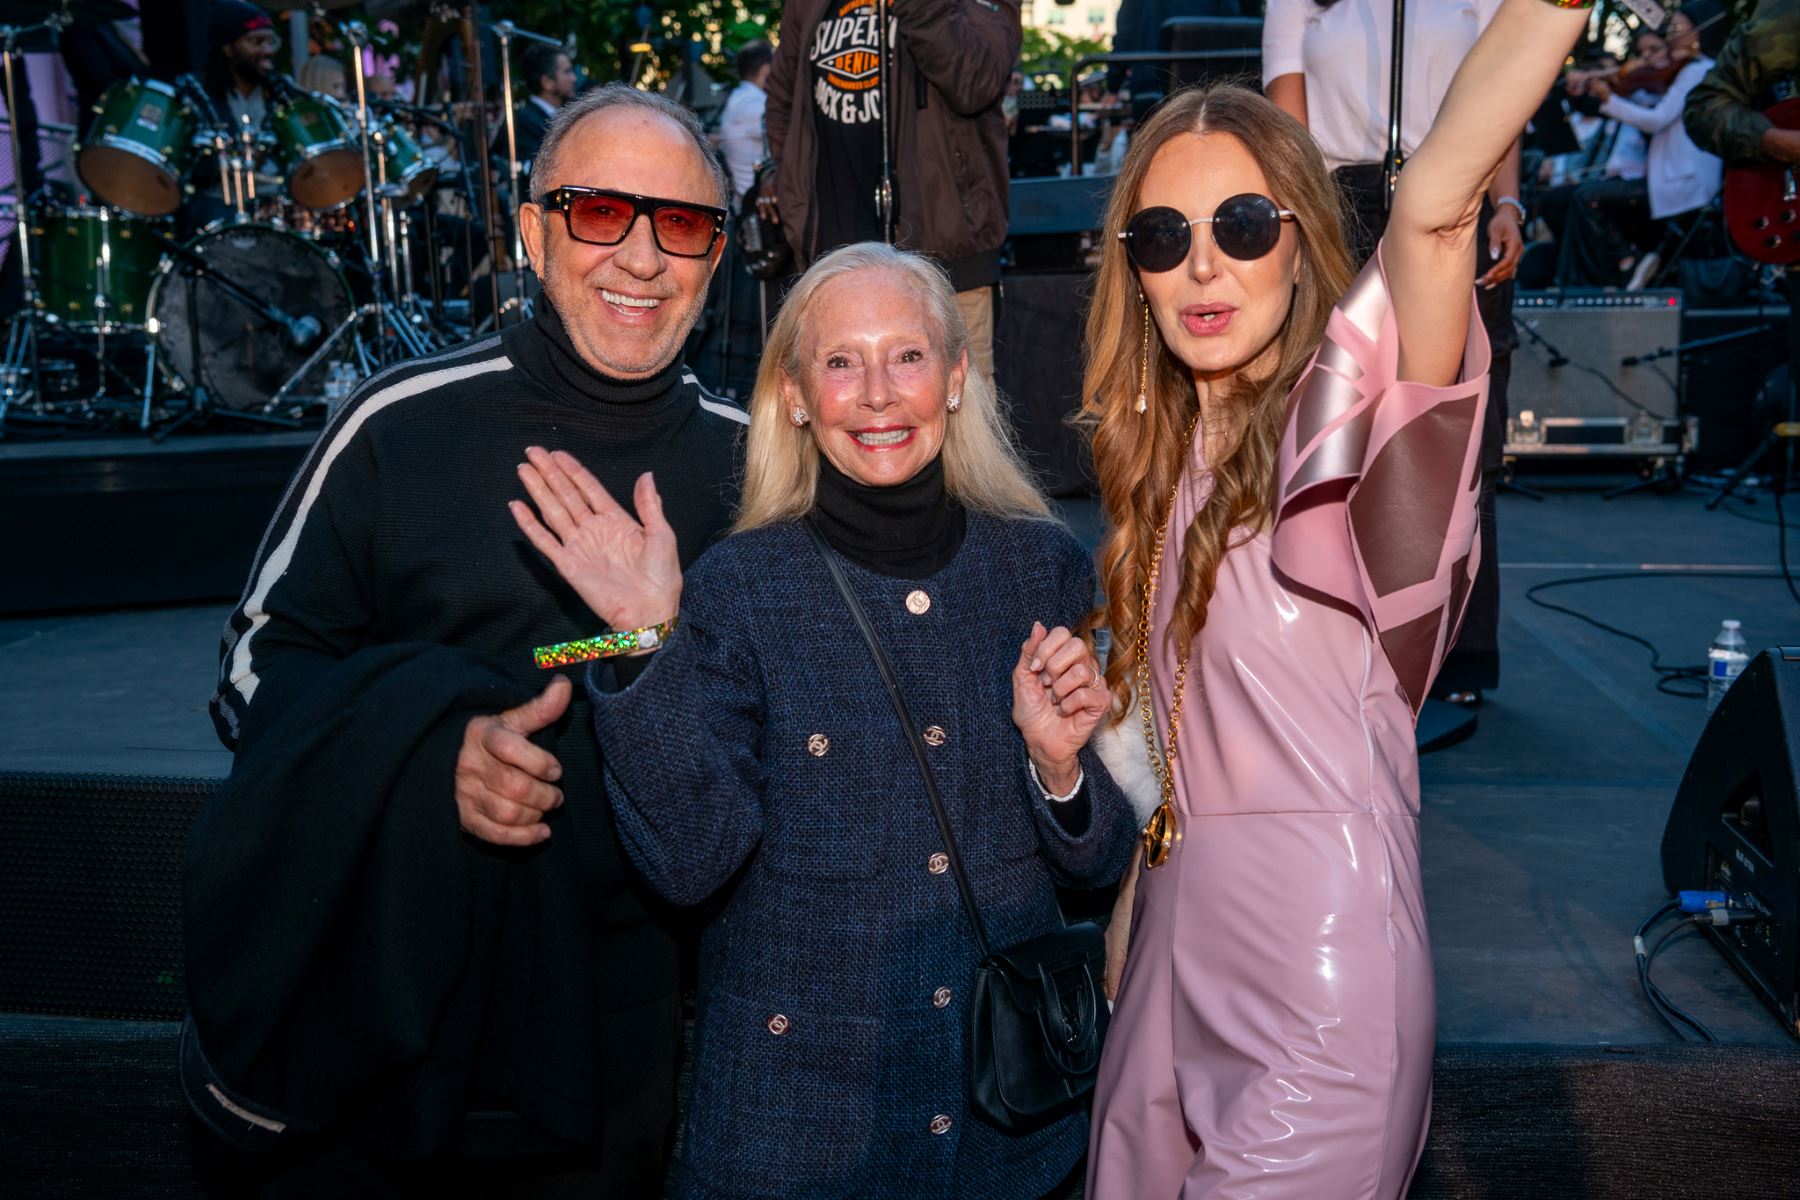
[{"x": 266, "y": 315}]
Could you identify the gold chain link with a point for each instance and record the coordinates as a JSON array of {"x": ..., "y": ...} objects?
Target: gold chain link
[{"x": 1163, "y": 829}]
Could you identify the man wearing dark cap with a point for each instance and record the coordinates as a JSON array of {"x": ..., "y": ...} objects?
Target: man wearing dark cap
[
  {"x": 238, "y": 73},
  {"x": 242, "y": 60}
]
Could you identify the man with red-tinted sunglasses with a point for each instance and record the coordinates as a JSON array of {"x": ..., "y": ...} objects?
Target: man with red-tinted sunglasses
[{"x": 437, "y": 933}]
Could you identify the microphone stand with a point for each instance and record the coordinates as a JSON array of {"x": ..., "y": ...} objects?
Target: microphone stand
[
  {"x": 1390, "y": 165},
  {"x": 505, "y": 32},
  {"x": 356, "y": 36},
  {"x": 884, "y": 190}
]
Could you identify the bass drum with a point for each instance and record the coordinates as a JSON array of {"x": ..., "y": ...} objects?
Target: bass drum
[{"x": 243, "y": 358}]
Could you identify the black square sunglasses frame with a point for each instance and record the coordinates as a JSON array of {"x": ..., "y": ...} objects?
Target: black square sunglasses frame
[{"x": 558, "y": 200}]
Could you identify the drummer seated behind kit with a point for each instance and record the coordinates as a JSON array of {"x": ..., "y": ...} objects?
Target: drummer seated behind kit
[
  {"x": 489, "y": 945},
  {"x": 239, "y": 78}
]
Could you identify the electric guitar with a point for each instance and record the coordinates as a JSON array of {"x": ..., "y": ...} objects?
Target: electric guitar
[{"x": 1762, "y": 205}]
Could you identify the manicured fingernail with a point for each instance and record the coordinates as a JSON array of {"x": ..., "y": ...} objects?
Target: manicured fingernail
[{"x": 1037, "y": 664}]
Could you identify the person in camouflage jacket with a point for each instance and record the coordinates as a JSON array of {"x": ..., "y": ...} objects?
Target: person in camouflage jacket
[{"x": 1724, "y": 113}]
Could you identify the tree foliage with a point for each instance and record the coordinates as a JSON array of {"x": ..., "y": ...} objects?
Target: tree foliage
[
  {"x": 606, "y": 31},
  {"x": 1048, "y": 54}
]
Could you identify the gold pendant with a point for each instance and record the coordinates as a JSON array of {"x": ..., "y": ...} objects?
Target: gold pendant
[{"x": 1160, "y": 836}]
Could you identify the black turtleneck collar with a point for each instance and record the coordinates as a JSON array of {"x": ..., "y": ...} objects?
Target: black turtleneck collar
[
  {"x": 908, "y": 531},
  {"x": 543, "y": 349}
]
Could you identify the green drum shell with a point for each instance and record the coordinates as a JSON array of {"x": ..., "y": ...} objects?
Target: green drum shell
[
  {"x": 318, "y": 152},
  {"x": 139, "y": 147},
  {"x": 70, "y": 243},
  {"x": 408, "y": 170}
]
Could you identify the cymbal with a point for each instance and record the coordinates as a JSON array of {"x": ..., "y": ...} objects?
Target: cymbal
[{"x": 84, "y": 10}]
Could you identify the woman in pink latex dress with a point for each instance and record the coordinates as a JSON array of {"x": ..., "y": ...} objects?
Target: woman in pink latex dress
[{"x": 1288, "y": 463}]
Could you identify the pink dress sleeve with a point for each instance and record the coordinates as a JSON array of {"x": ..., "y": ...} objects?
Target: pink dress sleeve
[{"x": 1380, "y": 482}]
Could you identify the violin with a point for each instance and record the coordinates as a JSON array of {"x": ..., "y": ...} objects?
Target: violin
[{"x": 1651, "y": 73}]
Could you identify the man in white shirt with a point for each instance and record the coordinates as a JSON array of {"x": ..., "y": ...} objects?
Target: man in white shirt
[{"x": 740, "y": 134}]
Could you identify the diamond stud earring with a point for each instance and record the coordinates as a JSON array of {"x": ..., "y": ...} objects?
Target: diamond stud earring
[
  {"x": 798, "y": 416},
  {"x": 954, "y": 403}
]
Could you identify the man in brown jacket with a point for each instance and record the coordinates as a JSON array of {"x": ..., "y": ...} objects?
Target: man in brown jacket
[{"x": 947, "y": 64}]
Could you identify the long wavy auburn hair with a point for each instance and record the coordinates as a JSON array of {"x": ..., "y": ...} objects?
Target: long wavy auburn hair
[
  {"x": 982, "y": 466},
  {"x": 1138, "y": 456}
]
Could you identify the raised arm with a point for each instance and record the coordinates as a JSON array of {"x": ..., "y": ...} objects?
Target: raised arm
[{"x": 1427, "y": 251}]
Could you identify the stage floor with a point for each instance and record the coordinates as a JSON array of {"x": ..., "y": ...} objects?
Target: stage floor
[{"x": 1541, "y": 832}]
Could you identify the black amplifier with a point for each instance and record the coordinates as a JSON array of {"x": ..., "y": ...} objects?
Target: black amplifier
[{"x": 1576, "y": 388}]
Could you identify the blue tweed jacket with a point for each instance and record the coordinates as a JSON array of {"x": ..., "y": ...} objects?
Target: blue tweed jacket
[{"x": 758, "y": 760}]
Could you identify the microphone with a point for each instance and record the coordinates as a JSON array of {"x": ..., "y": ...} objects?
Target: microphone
[{"x": 303, "y": 331}]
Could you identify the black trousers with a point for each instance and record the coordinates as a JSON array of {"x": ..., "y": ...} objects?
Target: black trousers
[
  {"x": 1608, "y": 221},
  {"x": 1474, "y": 662}
]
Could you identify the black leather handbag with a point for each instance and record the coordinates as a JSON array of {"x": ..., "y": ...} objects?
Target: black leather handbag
[{"x": 1036, "y": 1015}]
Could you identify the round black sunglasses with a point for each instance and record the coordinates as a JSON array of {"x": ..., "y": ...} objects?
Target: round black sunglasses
[{"x": 1245, "y": 227}]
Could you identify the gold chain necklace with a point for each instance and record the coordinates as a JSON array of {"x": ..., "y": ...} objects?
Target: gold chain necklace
[{"x": 1163, "y": 830}]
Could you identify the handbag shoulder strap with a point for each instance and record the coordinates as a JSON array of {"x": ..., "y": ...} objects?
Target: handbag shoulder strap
[{"x": 907, "y": 727}]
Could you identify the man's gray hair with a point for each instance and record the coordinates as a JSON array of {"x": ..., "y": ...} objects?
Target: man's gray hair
[{"x": 619, "y": 95}]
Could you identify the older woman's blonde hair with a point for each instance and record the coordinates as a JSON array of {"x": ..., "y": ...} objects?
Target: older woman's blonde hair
[{"x": 982, "y": 467}]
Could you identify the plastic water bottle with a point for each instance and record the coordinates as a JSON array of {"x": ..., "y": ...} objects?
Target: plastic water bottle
[{"x": 1725, "y": 661}]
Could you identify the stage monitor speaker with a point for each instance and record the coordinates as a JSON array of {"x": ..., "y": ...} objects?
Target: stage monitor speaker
[
  {"x": 1735, "y": 826},
  {"x": 90, "y": 893},
  {"x": 1572, "y": 393}
]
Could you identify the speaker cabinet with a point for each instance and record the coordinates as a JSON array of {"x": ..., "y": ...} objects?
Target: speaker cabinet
[
  {"x": 1735, "y": 826},
  {"x": 90, "y": 893}
]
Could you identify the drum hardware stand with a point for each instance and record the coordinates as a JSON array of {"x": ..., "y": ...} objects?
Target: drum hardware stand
[
  {"x": 22, "y": 354},
  {"x": 345, "y": 327}
]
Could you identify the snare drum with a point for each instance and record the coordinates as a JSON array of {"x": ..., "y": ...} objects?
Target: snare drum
[
  {"x": 139, "y": 147},
  {"x": 409, "y": 173},
  {"x": 318, "y": 151},
  {"x": 95, "y": 266}
]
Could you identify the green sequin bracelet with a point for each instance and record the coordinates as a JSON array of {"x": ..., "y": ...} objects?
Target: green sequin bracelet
[{"x": 607, "y": 645}]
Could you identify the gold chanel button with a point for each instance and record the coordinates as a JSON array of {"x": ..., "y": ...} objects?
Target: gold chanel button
[
  {"x": 778, "y": 1024},
  {"x": 918, "y": 603},
  {"x": 940, "y": 1124},
  {"x": 935, "y": 735},
  {"x": 941, "y": 998},
  {"x": 937, "y": 864},
  {"x": 817, "y": 745}
]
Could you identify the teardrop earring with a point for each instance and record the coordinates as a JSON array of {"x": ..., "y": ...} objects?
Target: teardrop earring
[{"x": 1143, "y": 400}]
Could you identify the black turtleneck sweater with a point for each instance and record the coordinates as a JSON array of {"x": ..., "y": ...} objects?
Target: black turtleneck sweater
[
  {"x": 396, "y": 529},
  {"x": 906, "y": 531}
]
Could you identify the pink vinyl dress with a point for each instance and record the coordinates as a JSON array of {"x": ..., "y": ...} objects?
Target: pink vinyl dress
[{"x": 1275, "y": 1022}]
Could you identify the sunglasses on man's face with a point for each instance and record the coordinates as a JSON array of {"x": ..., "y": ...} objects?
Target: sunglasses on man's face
[
  {"x": 604, "y": 218},
  {"x": 1245, "y": 227}
]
